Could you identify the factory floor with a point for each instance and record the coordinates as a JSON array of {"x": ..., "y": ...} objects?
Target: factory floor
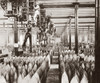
[{"x": 53, "y": 75}]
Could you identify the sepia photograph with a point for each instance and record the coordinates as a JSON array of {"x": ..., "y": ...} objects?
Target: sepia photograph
[{"x": 49, "y": 41}]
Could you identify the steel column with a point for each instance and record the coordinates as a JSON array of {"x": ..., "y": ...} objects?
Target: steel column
[
  {"x": 97, "y": 42},
  {"x": 70, "y": 33},
  {"x": 76, "y": 27}
]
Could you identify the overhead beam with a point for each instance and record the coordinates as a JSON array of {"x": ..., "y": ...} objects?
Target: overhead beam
[
  {"x": 52, "y": 5},
  {"x": 80, "y": 20},
  {"x": 80, "y": 26},
  {"x": 74, "y": 23},
  {"x": 81, "y": 29},
  {"x": 60, "y": 27},
  {"x": 72, "y": 28},
  {"x": 72, "y": 17}
]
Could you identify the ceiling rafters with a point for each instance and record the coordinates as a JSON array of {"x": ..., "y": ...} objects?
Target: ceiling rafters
[
  {"x": 78, "y": 26},
  {"x": 52, "y": 5},
  {"x": 74, "y": 23},
  {"x": 72, "y": 17},
  {"x": 60, "y": 10}
]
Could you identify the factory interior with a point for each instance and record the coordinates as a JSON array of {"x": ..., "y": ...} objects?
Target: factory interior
[{"x": 49, "y": 41}]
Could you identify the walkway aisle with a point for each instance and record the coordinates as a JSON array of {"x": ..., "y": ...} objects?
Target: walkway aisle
[{"x": 53, "y": 73}]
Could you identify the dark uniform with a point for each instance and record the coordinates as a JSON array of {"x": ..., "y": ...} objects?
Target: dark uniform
[{"x": 28, "y": 35}]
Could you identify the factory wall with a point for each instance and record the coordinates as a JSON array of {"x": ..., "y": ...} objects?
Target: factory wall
[
  {"x": 7, "y": 37},
  {"x": 82, "y": 36}
]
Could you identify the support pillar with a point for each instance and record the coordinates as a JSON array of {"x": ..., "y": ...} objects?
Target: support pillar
[
  {"x": 76, "y": 26},
  {"x": 97, "y": 42},
  {"x": 70, "y": 32},
  {"x": 66, "y": 35},
  {"x": 91, "y": 36},
  {"x": 27, "y": 9},
  {"x": 88, "y": 34},
  {"x": 64, "y": 39},
  {"x": 15, "y": 36},
  {"x": 83, "y": 32}
]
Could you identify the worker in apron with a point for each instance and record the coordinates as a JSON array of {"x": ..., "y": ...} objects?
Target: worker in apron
[{"x": 28, "y": 35}]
